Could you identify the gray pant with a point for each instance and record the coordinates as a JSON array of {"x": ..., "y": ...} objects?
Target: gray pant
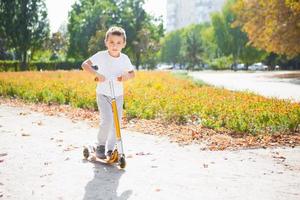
[{"x": 107, "y": 133}]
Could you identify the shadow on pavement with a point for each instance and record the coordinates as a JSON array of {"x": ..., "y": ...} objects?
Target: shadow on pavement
[
  {"x": 105, "y": 183},
  {"x": 295, "y": 81}
]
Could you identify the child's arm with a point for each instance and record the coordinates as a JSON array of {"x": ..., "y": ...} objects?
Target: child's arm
[
  {"x": 126, "y": 76},
  {"x": 87, "y": 66}
]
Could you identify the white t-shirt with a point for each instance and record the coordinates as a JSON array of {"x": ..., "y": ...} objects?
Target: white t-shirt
[{"x": 111, "y": 68}]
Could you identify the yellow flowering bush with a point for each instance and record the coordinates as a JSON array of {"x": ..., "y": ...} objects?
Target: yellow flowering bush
[
  {"x": 63, "y": 87},
  {"x": 161, "y": 95}
]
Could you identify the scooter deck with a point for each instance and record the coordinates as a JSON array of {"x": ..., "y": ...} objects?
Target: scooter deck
[
  {"x": 93, "y": 158},
  {"x": 90, "y": 155}
]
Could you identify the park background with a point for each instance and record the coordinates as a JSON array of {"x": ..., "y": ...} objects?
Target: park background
[
  {"x": 43, "y": 66},
  {"x": 212, "y": 113}
]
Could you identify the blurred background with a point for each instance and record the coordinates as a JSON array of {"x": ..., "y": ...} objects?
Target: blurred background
[{"x": 162, "y": 34}]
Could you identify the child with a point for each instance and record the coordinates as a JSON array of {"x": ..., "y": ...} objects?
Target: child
[{"x": 116, "y": 66}]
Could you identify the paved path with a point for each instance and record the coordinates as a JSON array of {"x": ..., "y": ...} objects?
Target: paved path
[
  {"x": 41, "y": 158},
  {"x": 257, "y": 82}
]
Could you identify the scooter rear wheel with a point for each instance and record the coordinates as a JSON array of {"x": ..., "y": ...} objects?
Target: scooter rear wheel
[{"x": 86, "y": 153}]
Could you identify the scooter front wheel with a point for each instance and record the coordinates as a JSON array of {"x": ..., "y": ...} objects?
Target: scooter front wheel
[{"x": 122, "y": 162}]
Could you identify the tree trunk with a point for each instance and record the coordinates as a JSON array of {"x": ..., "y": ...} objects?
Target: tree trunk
[
  {"x": 138, "y": 60},
  {"x": 23, "y": 64}
]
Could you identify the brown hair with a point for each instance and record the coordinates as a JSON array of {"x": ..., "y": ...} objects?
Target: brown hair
[{"x": 115, "y": 30}]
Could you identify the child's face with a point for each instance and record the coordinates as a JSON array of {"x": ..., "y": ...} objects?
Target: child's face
[{"x": 115, "y": 44}]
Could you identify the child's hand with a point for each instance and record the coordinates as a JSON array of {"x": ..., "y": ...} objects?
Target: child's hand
[
  {"x": 119, "y": 78},
  {"x": 100, "y": 78},
  {"x": 124, "y": 77}
]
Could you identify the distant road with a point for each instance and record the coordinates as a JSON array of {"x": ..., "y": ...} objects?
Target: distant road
[{"x": 269, "y": 84}]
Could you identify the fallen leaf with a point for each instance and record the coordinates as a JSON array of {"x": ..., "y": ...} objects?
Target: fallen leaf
[
  {"x": 3, "y": 154},
  {"x": 59, "y": 140},
  {"x": 24, "y": 113},
  {"x": 142, "y": 154},
  {"x": 70, "y": 148},
  {"x": 47, "y": 163},
  {"x": 279, "y": 157}
]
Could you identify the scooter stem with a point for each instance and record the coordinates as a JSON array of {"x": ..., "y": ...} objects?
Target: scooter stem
[{"x": 116, "y": 118}]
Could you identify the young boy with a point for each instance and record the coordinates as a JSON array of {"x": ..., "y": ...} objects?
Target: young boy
[{"x": 116, "y": 66}]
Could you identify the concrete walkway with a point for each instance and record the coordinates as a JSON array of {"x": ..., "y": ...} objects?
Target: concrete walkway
[{"x": 41, "y": 158}]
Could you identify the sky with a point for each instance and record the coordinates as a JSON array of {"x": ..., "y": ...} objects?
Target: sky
[{"x": 58, "y": 10}]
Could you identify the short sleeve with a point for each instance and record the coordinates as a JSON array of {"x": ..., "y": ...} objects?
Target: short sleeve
[
  {"x": 95, "y": 58},
  {"x": 129, "y": 64}
]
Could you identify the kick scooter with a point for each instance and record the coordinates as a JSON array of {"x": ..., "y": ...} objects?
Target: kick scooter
[{"x": 117, "y": 155}]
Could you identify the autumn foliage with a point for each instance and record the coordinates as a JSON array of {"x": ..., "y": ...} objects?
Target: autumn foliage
[{"x": 271, "y": 25}]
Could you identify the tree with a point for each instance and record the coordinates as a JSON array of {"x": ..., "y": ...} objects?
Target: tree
[
  {"x": 90, "y": 19},
  {"x": 4, "y": 54},
  {"x": 209, "y": 42},
  {"x": 96, "y": 42},
  {"x": 148, "y": 47},
  {"x": 171, "y": 45},
  {"x": 25, "y": 26},
  {"x": 193, "y": 49},
  {"x": 58, "y": 45},
  {"x": 272, "y": 25},
  {"x": 231, "y": 40},
  {"x": 141, "y": 30},
  {"x": 85, "y": 19}
]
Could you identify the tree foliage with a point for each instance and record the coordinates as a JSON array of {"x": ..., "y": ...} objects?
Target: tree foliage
[
  {"x": 58, "y": 45},
  {"x": 272, "y": 25},
  {"x": 217, "y": 43},
  {"x": 90, "y": 19},
  {"x": 193, "y": 49},
  {"x": 24, "y": 26},
  {"x": 171, "y": 45},
  {"x": 85, "y": 19},
  {"x": 231, "y": 40},
  {"x": 184, "y": 47}
]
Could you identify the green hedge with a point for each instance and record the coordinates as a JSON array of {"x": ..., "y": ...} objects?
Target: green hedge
[
  {"x": 8, "y": 65},
  {"x": 221, "y": 63}
]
